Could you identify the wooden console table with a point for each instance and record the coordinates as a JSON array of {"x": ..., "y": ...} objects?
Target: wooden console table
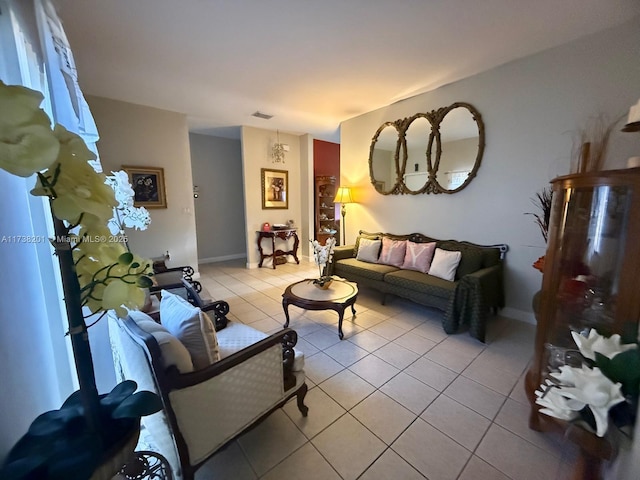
[{"x": 278, "y": 256}]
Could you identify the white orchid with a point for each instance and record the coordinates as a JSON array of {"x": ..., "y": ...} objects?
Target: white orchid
[
  {"x": 125, "y": 214},
  {"x": 590, "y": 387},
  {"x": 323, "y": 254},
  {"x": 609, "y": 347}
]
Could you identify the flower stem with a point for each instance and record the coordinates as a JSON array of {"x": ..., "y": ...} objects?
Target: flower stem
[{"x": 78, "y": 331}]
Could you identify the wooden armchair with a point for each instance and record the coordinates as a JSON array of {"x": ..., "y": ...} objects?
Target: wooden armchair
[{"x": 206, "y": 409}]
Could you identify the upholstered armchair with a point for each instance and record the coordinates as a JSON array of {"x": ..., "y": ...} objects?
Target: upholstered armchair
[{"x": 206, "y": 408}]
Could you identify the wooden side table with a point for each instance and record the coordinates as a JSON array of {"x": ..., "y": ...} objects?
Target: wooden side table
[{"x": 278, "y": 256}]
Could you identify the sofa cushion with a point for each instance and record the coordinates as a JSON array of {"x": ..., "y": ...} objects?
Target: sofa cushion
[
  {"x": 174, "y": 353},
  {"x": 374, "y": 271},
  {"x": 418, "y": 256},
  {"x": 444, "y": 264},
  {"x": 369, "y": 250},
  {"x": 192, "y": 327},
  {"x": 392, "y": 252},
  {"x": 424, "y": 283}
]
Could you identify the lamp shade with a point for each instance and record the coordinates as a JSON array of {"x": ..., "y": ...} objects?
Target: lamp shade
[{"x": 343, "y": 195}]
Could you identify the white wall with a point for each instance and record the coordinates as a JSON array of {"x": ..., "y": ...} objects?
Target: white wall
[
  {"x": 529, "y": 108},
  {"x": 217, "y": 171},
  {"x": 138, "y": 135},
  {"x": 256, "y": 154}
]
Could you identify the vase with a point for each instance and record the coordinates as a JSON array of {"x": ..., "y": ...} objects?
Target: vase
[{"x": 323, "y": 282}]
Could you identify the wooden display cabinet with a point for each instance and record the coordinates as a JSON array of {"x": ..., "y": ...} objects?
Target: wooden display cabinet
[
  {"x": 591, "y": 280},
  {"x": 327, "y": 224}
]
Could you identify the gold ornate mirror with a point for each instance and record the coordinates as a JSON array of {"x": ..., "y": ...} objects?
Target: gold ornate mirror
[
  {"x": 435, "y": 152},
  {"x": 416, "y": 154},
  {"x": 384, "y": 158},
  {"x": 459, "y": 147}
]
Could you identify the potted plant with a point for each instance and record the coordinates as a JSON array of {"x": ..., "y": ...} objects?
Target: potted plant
[{"x": 98, "y": 274}]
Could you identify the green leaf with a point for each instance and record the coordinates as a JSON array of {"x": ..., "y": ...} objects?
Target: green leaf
[
  {"x": 119, "y": 393},
  {"x": 623, "y": 368},
  {"x": 75, "y": 399},
  {"x": 25, "y": 468},
  {"x": 144, "y": 282},
  {"x": 135, "y": 265},
  {"x": 126, "y": 258},
  {"x": 138, "y": 405},
  {"x": 54, "y": 421}
]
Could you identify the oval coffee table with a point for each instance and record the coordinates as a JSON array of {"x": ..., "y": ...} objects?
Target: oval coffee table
[{"x": 304, "y": 294}]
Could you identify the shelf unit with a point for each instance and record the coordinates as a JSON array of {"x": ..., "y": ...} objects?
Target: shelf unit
[
  {"x": 326, "y": 220},
  {"x": 590, "y": 281}
]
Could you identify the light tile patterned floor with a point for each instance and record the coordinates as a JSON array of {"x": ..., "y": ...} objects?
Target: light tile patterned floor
[{"x": 396, "y": 399}]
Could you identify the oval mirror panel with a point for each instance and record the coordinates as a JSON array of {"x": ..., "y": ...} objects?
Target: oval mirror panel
[
  {"x": 383, "y": 158},
  {"x": 416, "y": 139},
  {"x": 460, "y": 147}
]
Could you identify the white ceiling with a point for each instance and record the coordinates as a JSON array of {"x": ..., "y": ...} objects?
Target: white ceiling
[{"x": 310, "y": 63}]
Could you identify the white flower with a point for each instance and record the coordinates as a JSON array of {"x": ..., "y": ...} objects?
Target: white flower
[
  {"x": 125, "y": 214},
  {"x": 556, "y": 405},
  {"x": 323, "y": 254},
  {"x": 590, "y": 387},
  {"x": 595, "y": 342}
]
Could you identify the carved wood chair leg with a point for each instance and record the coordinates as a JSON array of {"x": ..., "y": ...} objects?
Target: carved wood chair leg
[{"x": 300, "y": 399}]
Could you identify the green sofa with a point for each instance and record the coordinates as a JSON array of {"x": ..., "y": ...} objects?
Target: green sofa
[{"x": 477, "y": 287}]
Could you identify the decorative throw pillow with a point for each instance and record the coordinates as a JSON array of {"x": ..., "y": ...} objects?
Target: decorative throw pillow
[
  {"x": 173, "y": 351},
  {"x": 418, "y": 256},
  {"x": 392, "y": 252},
  {"x": 192, "y": 327},
  {"x": 444, "y": 264},
  {"x": 370, "y": 236},
  {"x": 368, "y": 250}
]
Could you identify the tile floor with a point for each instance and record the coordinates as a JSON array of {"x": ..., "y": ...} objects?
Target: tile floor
[{"x": 396, "y": 399}]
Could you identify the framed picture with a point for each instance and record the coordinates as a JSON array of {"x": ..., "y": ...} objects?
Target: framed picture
[
  {"x": 275, "y": 189},
  {"x": 148, "y": 186}
]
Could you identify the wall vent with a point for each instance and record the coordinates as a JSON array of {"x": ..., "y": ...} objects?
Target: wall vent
[{"x": 264, "y": 116}]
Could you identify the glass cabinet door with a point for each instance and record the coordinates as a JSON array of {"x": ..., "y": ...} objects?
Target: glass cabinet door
[{"x": 590, "y": 249}]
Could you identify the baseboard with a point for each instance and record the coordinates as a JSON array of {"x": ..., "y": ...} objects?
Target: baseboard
[
  {"x": 223, "y": 258},
  {"x": 520, "y": 315}
]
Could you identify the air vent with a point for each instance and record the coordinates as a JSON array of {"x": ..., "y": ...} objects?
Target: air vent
[{"x": 264, "y": 116}]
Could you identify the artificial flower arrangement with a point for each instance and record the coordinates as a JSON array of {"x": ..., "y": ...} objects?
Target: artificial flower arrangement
[
  {"x": 98, "y": 272},
  {"x": 322, "y": 256},
  {"x": 543, "y": 202},
  {"x": 604, "y": 387}
]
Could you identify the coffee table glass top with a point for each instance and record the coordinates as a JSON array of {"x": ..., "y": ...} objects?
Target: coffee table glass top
[{"x": 338, "y": 291}]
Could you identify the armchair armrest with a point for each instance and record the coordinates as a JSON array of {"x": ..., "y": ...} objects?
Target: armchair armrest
[
  {"x": 219, "y": 308},
  {"x": 286, "y": 337}
]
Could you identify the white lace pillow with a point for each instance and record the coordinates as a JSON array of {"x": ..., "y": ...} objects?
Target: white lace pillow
[
  {"x": 368, "y": 250},
  {"x": 192, "y": 327},
  {"x": 173, "y": 351},
  {"x": 445, "y": 264}
]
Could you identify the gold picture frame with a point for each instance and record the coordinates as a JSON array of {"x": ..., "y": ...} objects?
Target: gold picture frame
[
  {"x": 275, "y": 189},
  {"x": 148, "y": 186}
]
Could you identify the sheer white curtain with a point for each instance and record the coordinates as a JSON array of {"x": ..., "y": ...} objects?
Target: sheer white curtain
[{"x": 37, "y": 364}]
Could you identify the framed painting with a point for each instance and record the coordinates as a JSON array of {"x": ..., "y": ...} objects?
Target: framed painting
[
  {"x": 275, "y": 189},
  {"x": 148, "y": 186}
]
